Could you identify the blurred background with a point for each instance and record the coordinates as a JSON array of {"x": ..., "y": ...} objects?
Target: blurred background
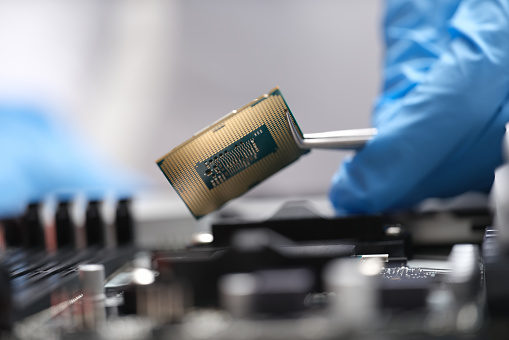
[{"x": 133, "y": 79}]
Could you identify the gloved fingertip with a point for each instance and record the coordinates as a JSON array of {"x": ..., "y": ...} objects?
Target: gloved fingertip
[{"x": 345, "y": 197}]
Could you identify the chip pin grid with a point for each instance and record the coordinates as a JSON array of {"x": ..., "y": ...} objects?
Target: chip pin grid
[{"x": 232, "y": 155}]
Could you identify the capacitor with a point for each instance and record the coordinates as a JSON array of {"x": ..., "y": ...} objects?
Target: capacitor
[
  {"x": 92, "y": 286},
  {"x": 94, "y": 224},
  {"x": 124, "y": 226},
  {"x": 64, "y": 226},
  {"x": 33, "y": 227}
]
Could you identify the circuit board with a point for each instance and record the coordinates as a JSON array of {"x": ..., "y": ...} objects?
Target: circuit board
[{"x": 232, "y": 155}]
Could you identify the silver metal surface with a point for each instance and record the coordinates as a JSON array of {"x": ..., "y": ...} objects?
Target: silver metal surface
[
  {"x": 92, "y": 281},
  {"x": 339, "y": 140}
]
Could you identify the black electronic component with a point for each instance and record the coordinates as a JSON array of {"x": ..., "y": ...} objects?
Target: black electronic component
[
  {"x": 124, "y": 225},
  {"x": 33, "y": 227},
  {"x": 496, "y": 273},
  {"x": 94, "y": 224},
  {"x": 13, "y": 233},
  {"x": 250, "y": 250},
  {"x": 274, "y": 292},
  {"x": 6, "y": 307},
  {"x": 64, "y": 226},
  {"x": 403, "y": 288}
]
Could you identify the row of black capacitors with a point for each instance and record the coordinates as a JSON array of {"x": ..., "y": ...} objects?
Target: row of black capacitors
[{"x": 28, "y": 231}]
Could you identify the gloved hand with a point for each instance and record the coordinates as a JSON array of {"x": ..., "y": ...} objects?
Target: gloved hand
[
  {"x": 442, "y": 111},
  {"x": 38, "y": 157}
]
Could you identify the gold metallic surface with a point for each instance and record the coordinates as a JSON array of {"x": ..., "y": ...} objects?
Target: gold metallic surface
[{"x": 179, "y": 164}]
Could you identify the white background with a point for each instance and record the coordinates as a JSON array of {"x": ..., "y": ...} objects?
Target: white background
[{"x": 136, "y": 78}]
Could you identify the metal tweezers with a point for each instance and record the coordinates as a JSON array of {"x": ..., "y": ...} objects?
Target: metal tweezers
[{"x": 339, "y": 140}]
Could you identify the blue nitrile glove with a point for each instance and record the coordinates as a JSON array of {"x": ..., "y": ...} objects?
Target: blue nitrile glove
[
  {"x": 442, "y": 112},
  {"x": 38, "y": 157}
]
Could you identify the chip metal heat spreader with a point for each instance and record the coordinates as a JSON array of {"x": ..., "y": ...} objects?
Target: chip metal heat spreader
[{"x": 232, "y": 155}]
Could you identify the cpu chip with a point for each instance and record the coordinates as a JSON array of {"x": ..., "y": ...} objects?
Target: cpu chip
[{"x": 232, "y": 155}]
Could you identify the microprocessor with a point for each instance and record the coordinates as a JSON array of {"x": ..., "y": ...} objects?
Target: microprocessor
[{"x": 232, "y": 155}]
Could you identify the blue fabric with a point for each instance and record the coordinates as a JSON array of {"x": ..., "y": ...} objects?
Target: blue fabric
[
  {"x": 442, "y": 110},
  {"x": 38, "y": 157}
]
